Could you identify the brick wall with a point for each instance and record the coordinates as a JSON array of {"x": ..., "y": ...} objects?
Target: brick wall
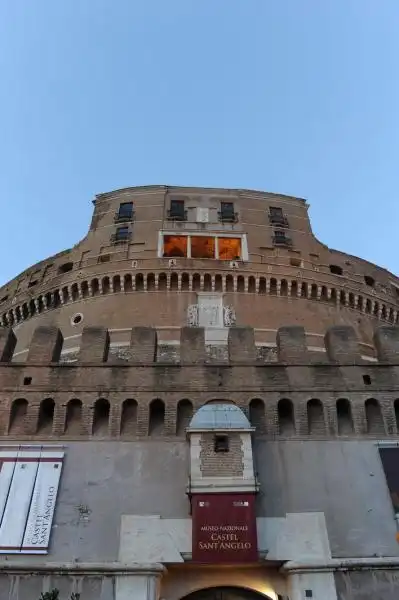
[
  {"x": 292, "y": 397},
  {"x": 221, "y": 464}
]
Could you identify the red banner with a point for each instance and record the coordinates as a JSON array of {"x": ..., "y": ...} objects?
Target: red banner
[{"x": 224, "y": 528}]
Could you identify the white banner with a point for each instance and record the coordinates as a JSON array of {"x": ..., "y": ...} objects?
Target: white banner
[
  {"x": 38, "y": 527},
  {"x": 29, "y": 479}
]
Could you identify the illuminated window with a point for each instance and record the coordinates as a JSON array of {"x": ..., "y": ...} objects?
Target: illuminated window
[
  {"x": 175, "y": 245},
  {"x": 229, "y": 248},
  {"x": 202, "y": 247}
]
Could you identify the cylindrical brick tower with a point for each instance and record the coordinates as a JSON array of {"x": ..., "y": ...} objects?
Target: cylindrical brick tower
[
  {"x": 171, "y": 256},
  {"x": 199, "y": 401}
]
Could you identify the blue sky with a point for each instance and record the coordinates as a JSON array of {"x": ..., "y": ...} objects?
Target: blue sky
[{"x": 293, "y": 96}]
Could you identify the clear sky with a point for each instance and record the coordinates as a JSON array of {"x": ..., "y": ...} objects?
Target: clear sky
[{"x": 293, "y": 96}]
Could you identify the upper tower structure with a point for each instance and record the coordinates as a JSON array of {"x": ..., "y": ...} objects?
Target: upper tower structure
[{"x": 173, "y": 256}]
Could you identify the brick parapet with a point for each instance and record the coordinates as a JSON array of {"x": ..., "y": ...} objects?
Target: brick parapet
[{"x": 99, "y": 389}]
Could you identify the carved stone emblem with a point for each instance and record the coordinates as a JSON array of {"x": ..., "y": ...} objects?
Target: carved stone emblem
[
  {"x": 229, "y": 316},
  {"x": 192, "y": 315}
]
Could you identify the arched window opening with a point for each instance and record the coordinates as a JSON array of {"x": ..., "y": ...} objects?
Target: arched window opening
[
  {"x": 324, "y": 294},
  {"x": 376, "y": 309},
  {"x": 184, "y": 416},
  {"x": 313, "y": 291},
  {"x": 174, "y": 282},
  {"x": 360, "y": 302},
  {"x": 286, "y": 420},
  {"x": 75, "y": 291},
  {"x": 257, "y": 413},
  {"x": 106, "y": 285},
  {"x": 368, "y": 306},
  {"x": 49, "y": 299},
  {"x": 351, "y": 300},
  {"x": 139, "y": 282},
  {"x": 46, "y": 416},
  {"x": 19, "y": 410},
  {"x": 374, "y": 420},
  {"x": 101, "y": 417},
  {"x": 18, "y": 314},
  {"x": 32, "y": 307},
  {"x": 85, "y": 289},
  {"x": 304, "y": 290},
  {"x": 333, "y": 297},
  {"x": 95, "y": 287},
  {"x": 316, "y": 422},
  {"x": 40, "y": 304},
  {"x": 65, "y": 268},
  {"x": 162, "y": 282},
  {"x": 262, "y": 285},
  {"x": 65, "y": 295},
  {"x": 157, "y": 418},
  {"x": 150, "y": 282},
  {"x": 284, "y": 288},
  {"x": 73, "y": 417},
  {"x": 294, "y": 289},
  {"x": 25, "y": 311},
  {"x": 185, "y": 282},
  {"x": 116, "y": 283},
  {"x": 229, "y": 283},
  {"x": 207, "y": 283},
  {"x": 273, "y": 287},
  {"x": 336, "y": 270},
  {"x": 196, "y": 282},
  {"x": 240, "y": 283},
  {"x": 342, "y": 298},
  {"x": 251, "y": 285},
  {"x": 218, "y": 283},
  {"x": 384, "y": 312},
  {"x": 129, "y": 417},
  {"x": 344, "y": 417},
  {"x": 56, "y": 299},
  {"x": 128, "y": 282}
]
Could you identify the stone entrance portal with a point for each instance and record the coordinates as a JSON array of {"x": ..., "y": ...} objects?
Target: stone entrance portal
[{"x": 226, "y": 593}]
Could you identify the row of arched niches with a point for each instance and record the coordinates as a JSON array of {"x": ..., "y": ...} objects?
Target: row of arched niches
[
  {"x": 130, "y": 418},
  {"x": 185, "y": 281}
]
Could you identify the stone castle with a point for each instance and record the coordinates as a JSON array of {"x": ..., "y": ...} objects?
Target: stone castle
[{"x": 199, "y": 401}]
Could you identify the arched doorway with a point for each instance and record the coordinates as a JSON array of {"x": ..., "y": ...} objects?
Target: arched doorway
[{"x": 226, "y": 593}]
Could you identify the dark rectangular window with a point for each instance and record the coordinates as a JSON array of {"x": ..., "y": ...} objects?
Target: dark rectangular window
[
  {"x": 125, "y": 210},
  {"x": 221, "y": 443},
  {"x": 177, "y": 210},
  {"x": 280, "y": 238},
  {"x": 122, "y": 233},
  {"x": 227, "y": 212},
  {"x": 276, "y": 216},
  {"x": 275, "y": 211}
]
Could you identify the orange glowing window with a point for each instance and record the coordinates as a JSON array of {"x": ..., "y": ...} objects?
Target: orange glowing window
[
  {"x": 229, "y": 248},
  {"x": 202, "y": 247},
  {"x": 175, "y": 245}
]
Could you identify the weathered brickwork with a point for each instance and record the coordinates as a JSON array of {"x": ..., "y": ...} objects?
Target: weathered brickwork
[
  {"x": 101, "y": 353},
  {"x": 116, "y": 285},
  {"x": 103, "y": 397},
  {"x": 221, "y": 464}
]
